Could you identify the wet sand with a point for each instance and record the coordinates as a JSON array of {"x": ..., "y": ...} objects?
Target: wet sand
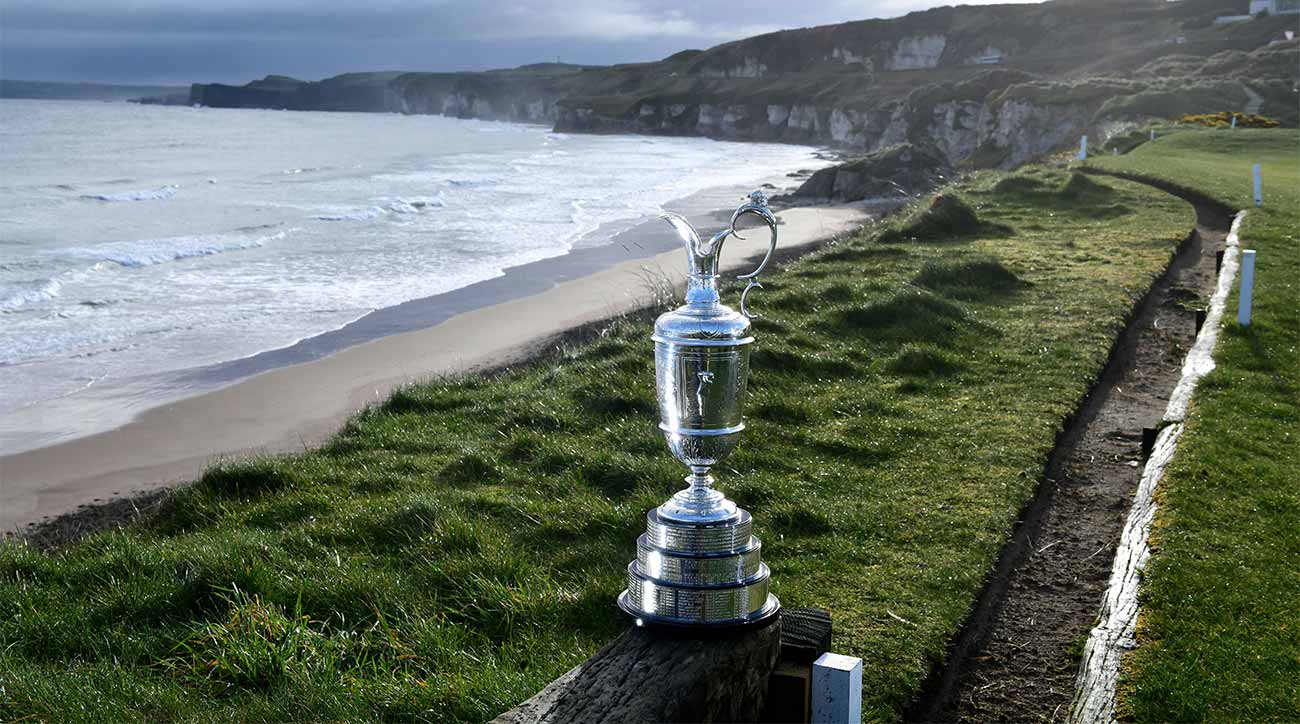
[{"x": 288, "y": 406}]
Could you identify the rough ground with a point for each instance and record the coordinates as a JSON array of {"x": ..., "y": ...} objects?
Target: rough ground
[{"x": 1017, "y": 658}]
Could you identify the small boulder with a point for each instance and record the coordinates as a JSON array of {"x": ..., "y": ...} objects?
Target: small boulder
[{"x": 892, "y": 173}]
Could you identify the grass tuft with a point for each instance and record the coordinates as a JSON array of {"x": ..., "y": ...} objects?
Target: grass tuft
[
  {"x": 908, "y": 316},
  {"x": 974, "y": 279},
  {"x": 923, "y": 361},
  {"x": 947, "y": 217}
]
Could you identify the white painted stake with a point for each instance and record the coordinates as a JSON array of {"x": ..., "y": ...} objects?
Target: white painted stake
[
  {"x": 1247, "y": 286},
  {"x": 837, "y": 690},
  {"x": 1083, "y": 148},
  {"x": 1116, "y": 150},
  {"x": 1259, "y": 187},
  {"x": 1234, "y": 122},
  {"x": 1153, "y": 134}
]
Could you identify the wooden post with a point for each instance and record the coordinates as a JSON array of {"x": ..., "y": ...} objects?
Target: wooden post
[
  {"x": 1148, "y": 441},
  {"x": 837, "y": 690},
  {"x": 1247, "y": 287},
  {"x": 805, "y": 636},
  {"x": 1259, "y": 186},
  {"x": 643, "y": 676}
]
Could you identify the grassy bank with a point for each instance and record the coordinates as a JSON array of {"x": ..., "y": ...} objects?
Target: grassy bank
[
  {"x": 455, "y": 548},
  {"x": 1219, "y": 634}
]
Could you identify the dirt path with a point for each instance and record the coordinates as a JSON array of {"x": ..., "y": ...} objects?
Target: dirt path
[{"x": 1017, "y": 657}]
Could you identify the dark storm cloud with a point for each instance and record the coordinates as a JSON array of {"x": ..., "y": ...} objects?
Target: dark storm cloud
[{"x": 235, "y": 40}]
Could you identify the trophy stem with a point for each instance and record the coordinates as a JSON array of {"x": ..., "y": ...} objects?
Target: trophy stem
[
  {"x": 699, "y": 503},
  {"x": 700, "y": 482}
]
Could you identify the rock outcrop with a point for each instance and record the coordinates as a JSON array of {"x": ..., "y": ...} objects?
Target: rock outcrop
[{"x": 896, "y": 172}]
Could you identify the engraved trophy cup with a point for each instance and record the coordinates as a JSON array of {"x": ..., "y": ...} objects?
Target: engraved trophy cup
[{"x": 697, "y": 565}]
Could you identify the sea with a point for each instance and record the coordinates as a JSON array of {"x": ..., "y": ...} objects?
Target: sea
[{"x": 143, "y": 245}]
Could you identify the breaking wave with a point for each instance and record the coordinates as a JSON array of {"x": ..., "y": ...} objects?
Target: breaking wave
[
  {"x": 47, "y": 289},
  {"x": 162, "y": 192},
  {"x": 148, "y": 252},
  {"x": 410, "y": 205}
]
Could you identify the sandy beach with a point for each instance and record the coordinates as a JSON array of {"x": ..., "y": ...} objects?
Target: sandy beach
[{"x": 295, "y": 406}]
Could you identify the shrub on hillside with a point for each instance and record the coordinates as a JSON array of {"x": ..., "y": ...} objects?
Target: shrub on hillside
[{"x": 1224, "y": 118}]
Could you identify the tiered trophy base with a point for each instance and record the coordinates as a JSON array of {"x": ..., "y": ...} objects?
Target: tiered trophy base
[{"x": 695, "y": 575}]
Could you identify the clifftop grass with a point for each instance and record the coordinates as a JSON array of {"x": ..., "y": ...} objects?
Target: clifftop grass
[{"x": 458, "y": 546}]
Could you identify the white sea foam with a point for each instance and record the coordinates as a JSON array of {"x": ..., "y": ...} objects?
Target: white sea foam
[
  {"x": 42, "y": 291},
  {"x": 148, "y": 252},
  {"x": 162, "y": 192},
  {"x": 359, "y": 214}
]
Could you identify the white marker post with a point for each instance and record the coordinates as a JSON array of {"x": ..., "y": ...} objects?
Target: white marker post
[
  {"x": 1247, "y": 288},
  {"x": 1234, "y": 122},
  {"x": 1116, "y": 150},
  {"x": 1153, "y": 134},
  {"x": 1259, "y": 186},
  {"x": 837, "y": 689},
  {"x": 1083, "y": 148}
]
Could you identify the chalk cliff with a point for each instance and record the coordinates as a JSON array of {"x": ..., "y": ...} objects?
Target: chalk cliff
[{"x": 983, "y": 85}]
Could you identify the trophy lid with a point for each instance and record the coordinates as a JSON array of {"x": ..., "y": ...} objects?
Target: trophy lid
[
  {"x": 705, "y": 325},
  {"x": 704, "y": 319}
]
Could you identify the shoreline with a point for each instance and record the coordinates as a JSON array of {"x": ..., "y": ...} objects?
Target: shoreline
[
  {"x": 299, "y": 404},
  {"x": 106, "y": 403}
]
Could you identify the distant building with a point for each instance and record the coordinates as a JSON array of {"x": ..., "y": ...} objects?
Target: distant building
[{"x": 1275, "y": 7}]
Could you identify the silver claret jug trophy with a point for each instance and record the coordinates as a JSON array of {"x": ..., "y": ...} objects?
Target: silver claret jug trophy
[{"x": 697, "y": 565}]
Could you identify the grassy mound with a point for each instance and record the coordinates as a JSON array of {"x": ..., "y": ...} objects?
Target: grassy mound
[
  {"x": 923, "y": 361},
  {"x": 1017, "y": 184},
  {"x": 1081, "y": 186},
  {"x": 946, "y": 217},
  {"x": 979, "y": 278}
]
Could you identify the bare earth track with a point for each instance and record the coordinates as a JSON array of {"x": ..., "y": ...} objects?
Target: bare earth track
[{"x": 1017, "y": 656}]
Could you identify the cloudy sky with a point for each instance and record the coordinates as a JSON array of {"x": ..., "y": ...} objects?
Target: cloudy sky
[{"x": 233, "y": 41}]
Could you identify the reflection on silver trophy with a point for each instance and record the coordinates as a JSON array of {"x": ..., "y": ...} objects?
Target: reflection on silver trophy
[{"x": 697, "y": 564}]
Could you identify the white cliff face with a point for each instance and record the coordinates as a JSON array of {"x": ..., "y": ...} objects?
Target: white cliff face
[
  {"x": 848, "y": 57},
  {"x": 542, "y": 109},
  {"x": 958, "y": 127},
  {"x": 848, "y": 127},
  {"x": 676, "y": 110},
  {"x": 466, "y": 106},
  {"x": 751, "y": 68},
  {"x": 804, "y": 118},
  {"x": 894, "y": 133},
  {"x": 918, "y": 51},
  {"x": 1027, "y": 130},
  {"x": 732, "y": 117},
  {"x": 709, "y": 119},
  {"x": 777, "y": 115}
]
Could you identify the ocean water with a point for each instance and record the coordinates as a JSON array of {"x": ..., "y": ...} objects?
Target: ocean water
[{"x": 139, "y": 241}]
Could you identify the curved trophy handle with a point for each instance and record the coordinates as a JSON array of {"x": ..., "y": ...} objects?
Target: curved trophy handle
[{"x": 757, "y": 205}]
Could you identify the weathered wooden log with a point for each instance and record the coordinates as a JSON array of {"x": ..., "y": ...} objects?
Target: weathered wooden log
[{"x": 643, "y": 676}]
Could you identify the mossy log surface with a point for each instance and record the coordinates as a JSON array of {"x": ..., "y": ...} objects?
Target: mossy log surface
[{"x": 642, "y": 676}]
